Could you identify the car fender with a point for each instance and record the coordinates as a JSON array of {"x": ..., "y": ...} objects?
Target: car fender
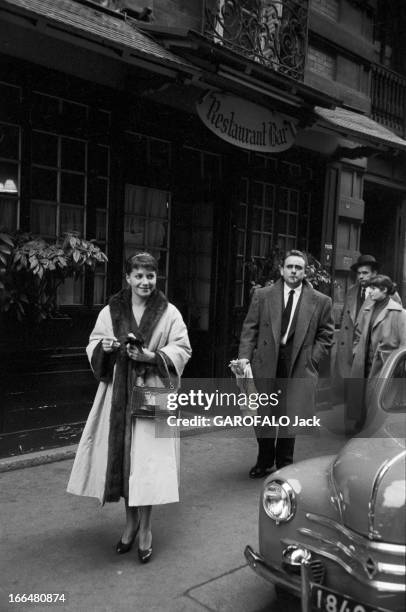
[{"x": 313, "y": 491}]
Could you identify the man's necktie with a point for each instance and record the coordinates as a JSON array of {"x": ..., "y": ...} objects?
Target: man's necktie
[
  {"x": 363, "y": 290},
  {"x": 286, "y": 313}
]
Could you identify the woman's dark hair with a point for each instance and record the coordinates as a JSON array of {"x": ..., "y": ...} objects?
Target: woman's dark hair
[
  {"x": 383, "y": 282},
  {"x": 141, "y": 260}
]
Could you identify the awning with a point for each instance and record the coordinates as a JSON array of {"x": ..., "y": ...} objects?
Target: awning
[
  {"x": 360, "y": 127},
  {"x": 109, "y": 29}
]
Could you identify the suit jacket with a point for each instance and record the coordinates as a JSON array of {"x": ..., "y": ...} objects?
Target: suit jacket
[
  {"x": 345, "y": 340},
  {"x": 313, "y": 337}
]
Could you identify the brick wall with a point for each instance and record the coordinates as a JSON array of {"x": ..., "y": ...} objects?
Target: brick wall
[{"x": 321, "y": 62}]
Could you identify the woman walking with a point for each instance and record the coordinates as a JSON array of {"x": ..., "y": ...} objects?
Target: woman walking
[
  {"x": 118, "y": 455},
  {"x": 380, "y": 329}
]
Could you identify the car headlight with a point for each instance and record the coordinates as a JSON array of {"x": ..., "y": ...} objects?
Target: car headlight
[{"x": 279, "y": 501}]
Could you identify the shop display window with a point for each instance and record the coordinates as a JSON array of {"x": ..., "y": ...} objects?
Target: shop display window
[
  {"x": 241, "y": 242},
  {"x": 288, "y": 213},
  {"x": 268, "y": 216},
  {"x": 69, "y": 180},
  {"x": 10, "y": 96},
  {"x": 146, "y": 226},
  {"x": 261, "y": 217},
  {"x": 192, "y": 273},
  {"x": 58, "y": 181},
  {"x": 100, "y": 200},
  {"x": 10, "y": 146}
]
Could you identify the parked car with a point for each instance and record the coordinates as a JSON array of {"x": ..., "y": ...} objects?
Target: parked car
[{"x": 332, "y": 529}]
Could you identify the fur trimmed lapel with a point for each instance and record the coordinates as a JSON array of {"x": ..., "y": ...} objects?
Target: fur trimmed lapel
[
  {"x": 122, "y": 316},
  {"x": 156, "y": 306}
]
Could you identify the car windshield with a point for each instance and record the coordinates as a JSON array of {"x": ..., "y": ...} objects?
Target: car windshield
[{"x": 393, "y": 398}]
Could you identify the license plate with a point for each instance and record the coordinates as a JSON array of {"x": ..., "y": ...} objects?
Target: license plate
[{"x": 331, "y": 601}]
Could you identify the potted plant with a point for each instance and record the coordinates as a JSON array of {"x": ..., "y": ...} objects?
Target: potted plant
[
  {"x": 32, "y": 269},
  {"x": 266, "y": 271}
]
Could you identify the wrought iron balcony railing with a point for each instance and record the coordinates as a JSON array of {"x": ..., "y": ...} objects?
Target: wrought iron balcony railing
[
  {"x": 271, "y": 32},
  {"x": 388, "y": 98}
]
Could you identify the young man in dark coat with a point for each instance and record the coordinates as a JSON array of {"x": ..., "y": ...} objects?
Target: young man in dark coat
[
  {"x": 286, "y": 333},
  {"x": 366, "y": 267},
  {"x": 357, "y": 298}
]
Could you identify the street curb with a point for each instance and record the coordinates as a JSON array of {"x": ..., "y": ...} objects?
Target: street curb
[
  {"x": 63, "y": 453},
  {"x": 37, "y": 458}
]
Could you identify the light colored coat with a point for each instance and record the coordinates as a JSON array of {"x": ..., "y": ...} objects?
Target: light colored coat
[
  {"x": 344, "y": 354},
  {"x": 313, "y": 337},
  {"x": 388, "y": 333},
  {"x": 154, "y": 471}
]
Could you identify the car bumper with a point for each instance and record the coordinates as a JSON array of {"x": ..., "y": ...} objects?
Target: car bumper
[{"x": 297, "y": 585}]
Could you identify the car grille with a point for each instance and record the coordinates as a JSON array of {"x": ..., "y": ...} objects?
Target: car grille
[
  {"x": 317, "y": 571},
  {"x": 378, "y": 565}
]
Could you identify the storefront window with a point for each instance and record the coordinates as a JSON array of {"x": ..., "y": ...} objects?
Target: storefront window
[
  {"x": 288, "y": 219},
  {"x": 10, "y": 96},
  {"x": 192, "y": 274},
  {"x": 262, "y": 219},
  {"x": 260, "y": 215},
  {"x": 99, "y": 199},
  {"x": 69, "y": 177},
  {"x": 269, "y": 215},
  {"x": 9, "y": 176},
  {"x": 58, "y": 181},
  {"x": 146, "y": 226},
  {"x": 241, "y": 243}
]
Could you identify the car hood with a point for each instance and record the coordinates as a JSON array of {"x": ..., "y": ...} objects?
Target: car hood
[{"x": 369, "y": 480}]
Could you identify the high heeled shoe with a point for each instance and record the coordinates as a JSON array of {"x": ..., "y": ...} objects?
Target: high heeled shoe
[
  {"x": 145, "y": 555},
  {"x": 125, "y": 547}
]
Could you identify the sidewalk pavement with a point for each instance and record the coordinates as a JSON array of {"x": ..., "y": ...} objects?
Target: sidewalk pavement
[{"x": 53, "y": 542}]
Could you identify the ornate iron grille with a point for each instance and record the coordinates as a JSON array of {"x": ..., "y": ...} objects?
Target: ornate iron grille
[{"x": 271, "y": 32}]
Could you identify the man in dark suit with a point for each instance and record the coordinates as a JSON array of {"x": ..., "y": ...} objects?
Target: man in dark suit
[
  {"x": 366, "y": 267},
  {"x": 286, "y": 333}
]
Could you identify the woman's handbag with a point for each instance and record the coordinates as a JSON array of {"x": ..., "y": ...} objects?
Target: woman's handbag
[{"x": 148, "y": 402}]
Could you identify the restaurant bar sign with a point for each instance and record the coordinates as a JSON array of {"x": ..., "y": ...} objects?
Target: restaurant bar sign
[{"x": 245, "y": 124}]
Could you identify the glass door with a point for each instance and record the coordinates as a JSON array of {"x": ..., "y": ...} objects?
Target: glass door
[{"x": 147, "y": 226}]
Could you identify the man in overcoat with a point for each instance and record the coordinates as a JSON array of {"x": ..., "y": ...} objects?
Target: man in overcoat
[
  {"x": 357, "y": 298},
  {"x": 366, "y": 267},
  {"x": 286, "y": 333}
]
